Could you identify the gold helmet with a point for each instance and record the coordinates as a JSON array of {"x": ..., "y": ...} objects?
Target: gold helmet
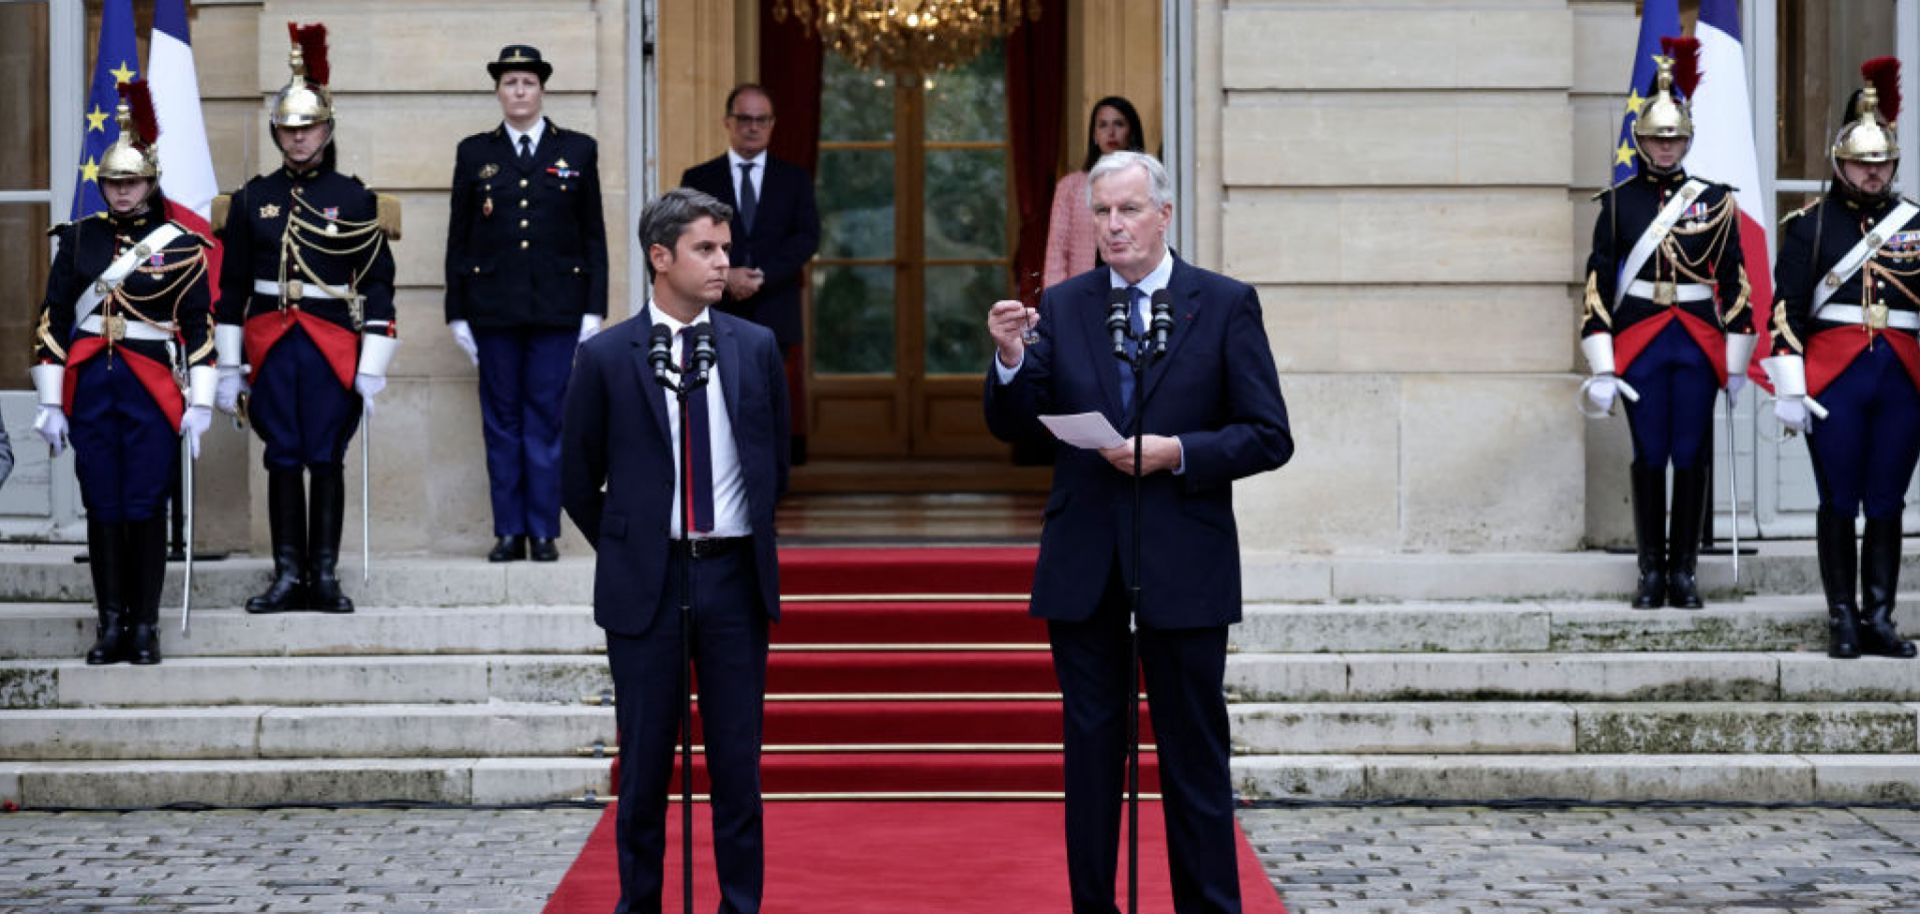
[
  {"x": 133, "y": 154},
  {"x": 304, "y": 100},
  {"x": 1868, "y": 135},
  {"x": 1665, "y": 113}
]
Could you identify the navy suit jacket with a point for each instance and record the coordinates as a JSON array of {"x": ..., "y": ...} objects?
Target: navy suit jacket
[
  {"x": 526, "y": 244},
  {"x": 786, "y": 232},
  {"x": 1216, "y": 390},
  {"x": 617, "y": 463}
]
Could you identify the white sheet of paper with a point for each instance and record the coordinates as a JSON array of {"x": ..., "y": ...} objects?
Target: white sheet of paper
[{"x": 1088, "y": 430}]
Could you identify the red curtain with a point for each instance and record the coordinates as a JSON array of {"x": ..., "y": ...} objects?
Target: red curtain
[
  {"x": 790, "y": 61},
  {"x": 1036, "y": 103}
]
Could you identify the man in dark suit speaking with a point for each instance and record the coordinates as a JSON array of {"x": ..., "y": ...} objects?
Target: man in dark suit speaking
[
  {"x": 1213, "y": 415},
  {"x": 776, "y": 229},
  {"x": 620, "y": 485}
]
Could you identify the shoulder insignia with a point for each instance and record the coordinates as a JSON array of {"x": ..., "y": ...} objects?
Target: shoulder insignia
[
  {"x": 388, "y": 207},
  {"x": 188, "y": 234},
  {"x": 1610, "y": 189},
  {"x": 270, "y": 211},
  {"x": 222, "y": 204},
  {"x": 1799, "y": 212}
]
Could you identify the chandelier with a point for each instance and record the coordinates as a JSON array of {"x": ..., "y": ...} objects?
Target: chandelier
[{"x": 907, "y": 36}]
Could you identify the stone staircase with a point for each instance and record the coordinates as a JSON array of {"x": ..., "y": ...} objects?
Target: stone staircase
[{"x": 1365, "y": 678}]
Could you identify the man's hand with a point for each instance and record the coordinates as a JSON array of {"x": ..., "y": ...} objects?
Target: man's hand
[
  {"x": 1008, "y": 323},
  {"x": 1157, "y": 452},
  {"x": 744, "y": 282}
]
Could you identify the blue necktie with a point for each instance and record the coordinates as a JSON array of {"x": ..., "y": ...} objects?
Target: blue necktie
[
  {"x": 1134, "y": 294},
  {"x": 526, "y": 149},
  {"x": 696, "y": 448},
  {"x": 749, "y": 201}
]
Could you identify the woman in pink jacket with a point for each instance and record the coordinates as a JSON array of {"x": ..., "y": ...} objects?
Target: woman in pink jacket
[{"x": 1115, "y": 125}]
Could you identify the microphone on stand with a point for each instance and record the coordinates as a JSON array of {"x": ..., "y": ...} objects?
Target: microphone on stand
[
  {"x": 1162, "y": 323},
  {"x": 1119, "y": 322},
  {"x": 660, "y": 353},
  {"x": 703, "y": 353}
]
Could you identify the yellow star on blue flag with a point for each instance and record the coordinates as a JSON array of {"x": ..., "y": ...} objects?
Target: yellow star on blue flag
[{"x": 116, "y": 48}]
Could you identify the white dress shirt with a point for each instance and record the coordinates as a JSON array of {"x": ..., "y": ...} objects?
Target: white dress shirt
[
  {"x": 759, "y": 171},
  {"x": 729, "y": 486},
  {"x": 513, "y": 134}
]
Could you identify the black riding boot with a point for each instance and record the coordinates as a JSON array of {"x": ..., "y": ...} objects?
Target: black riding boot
[
  {"x": 1683, "y": 537},
  {"x": 1879, "y": 578},
  {"x": 1649, "y": 533},
  {"x": 104, "y": 559},
  {"x": 287, "y": 522},
  {"x": 329, "y": 506},
  {"x": 1834, "y": 537},
  {"x": 147, "y": 574}
]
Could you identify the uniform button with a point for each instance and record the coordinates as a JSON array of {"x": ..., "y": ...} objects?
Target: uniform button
[
  {"x": 563, "y": 187},
  {"x": 523, "y": 223},
  {"x": 576, "y": 271},
  {"x": 523, "y": 245},
  {"x": 476, "y": 270},
  {"x": 523, "y": 203},
  {"x": 523, "y": 182}
]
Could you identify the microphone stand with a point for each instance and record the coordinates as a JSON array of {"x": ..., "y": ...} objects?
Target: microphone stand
[
  {"x": 689, "y": 382},
  {"x": 1145, "y": 352}
]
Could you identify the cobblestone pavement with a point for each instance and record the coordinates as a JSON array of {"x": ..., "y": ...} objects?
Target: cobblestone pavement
[
  {"x": 1645, "y": 860},
  {"x": 1403, "y": 860}
]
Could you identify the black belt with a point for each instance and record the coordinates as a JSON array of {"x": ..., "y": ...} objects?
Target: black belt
[{"x": 712, "y": 546}]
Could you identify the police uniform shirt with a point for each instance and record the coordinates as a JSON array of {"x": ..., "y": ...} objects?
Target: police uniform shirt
[{"x": 729, "y": 486}]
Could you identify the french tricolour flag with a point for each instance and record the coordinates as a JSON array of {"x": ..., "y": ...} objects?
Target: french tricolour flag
[
  {"x": 186, "y": 175},
  {"x": 1723, "y": 149}
]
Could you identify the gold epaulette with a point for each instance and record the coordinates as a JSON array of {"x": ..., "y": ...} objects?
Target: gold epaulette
[
  {"x": 55, "y": 229},
  {"x": 1607, "y": 190},
  {"x": 190, "y": 234},
  {"x": 1799, "y": 212},
  {"x": 388, "y": 208},
  {"x": 221, "y": 204}
]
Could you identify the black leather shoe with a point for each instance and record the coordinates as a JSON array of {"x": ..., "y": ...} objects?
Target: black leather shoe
[
  {"x": 545, "y": 550},
  {"x": 508, "y": 549}
]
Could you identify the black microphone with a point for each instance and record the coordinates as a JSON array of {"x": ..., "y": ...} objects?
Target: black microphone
[
  {"x": 1119, "y": 322},
  {"x": 703, "y": 352},
  {"x": 1162, "y": 322},
  {"x": 660, "y": 353}
]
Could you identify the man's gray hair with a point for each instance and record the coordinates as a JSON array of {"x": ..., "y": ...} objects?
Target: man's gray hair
[
  {"x": 667, "y": 216},
  {"x": 1159, "y": 186}
]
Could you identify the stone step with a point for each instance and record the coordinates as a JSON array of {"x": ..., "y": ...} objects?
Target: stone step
[
  {"x": 1746, "y": 779},
  {"x": 496, "y": 729},
  {"x": 41, "y": 574},
  {"x": 1569, "y": 778},
  {"x": 1605, "y": 728},
  {"x": 1521, "y": 676}
]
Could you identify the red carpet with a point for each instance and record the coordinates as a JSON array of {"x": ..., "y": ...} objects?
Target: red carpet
[{"x": 925, "y": 858}]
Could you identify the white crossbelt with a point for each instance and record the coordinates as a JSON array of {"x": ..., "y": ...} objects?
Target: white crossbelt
[
  {"x": 1852, "y": 314},
  {"x": 136, "y": 329},
  {"x": 271, "y": 289},
  {"x": 1689, "y": 291}
]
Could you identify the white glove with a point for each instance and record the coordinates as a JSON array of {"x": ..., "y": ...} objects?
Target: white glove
[
  {"x": 368, "y": 385},
  {"x": 463, "y": 337},
  {"x": 1602, "y": 389},
  {"x": 1792, "y": 413},
  {"x": 227, "y": 391},
  {"x": 1739, "y": 355},
  {"x": 194, "y": 423},
  {"x": 589, "y": 325},
  {"x": 51, "y": 423}
]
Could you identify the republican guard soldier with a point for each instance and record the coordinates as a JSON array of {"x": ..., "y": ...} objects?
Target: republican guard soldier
[
  {"x": 526, "y": 283},
  {"x": 125, "y": 317},
  {"x": 1667, "y": 324},
  {"x": 1849, "y": 287},
  {"x": 306, "y": 315}
]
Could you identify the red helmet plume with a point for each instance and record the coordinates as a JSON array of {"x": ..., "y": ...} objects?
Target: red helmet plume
[
  {"x": 312, "y": 40},
  {"x": 1685, "y": 53},
  {"x": 146, "y": 125},
  {"x": 1883, "y": 73}
]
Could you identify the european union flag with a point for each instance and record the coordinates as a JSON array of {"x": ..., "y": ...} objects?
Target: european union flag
[
  {"x": 117, "y": 62},
  {"x": 1660, "y": 19}
]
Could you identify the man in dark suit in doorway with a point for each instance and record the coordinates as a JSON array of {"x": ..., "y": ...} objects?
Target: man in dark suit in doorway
[
  {"x": 1213, "y": 415},
  {"x": 621, "y": 487},
  {"x": 776, "y": 229}
]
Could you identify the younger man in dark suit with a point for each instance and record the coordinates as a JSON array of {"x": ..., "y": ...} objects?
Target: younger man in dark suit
[
  {"x": 526, "y": 283},
  {"x": 621, "y": 487},
  {"x": 776, "y": 229}
]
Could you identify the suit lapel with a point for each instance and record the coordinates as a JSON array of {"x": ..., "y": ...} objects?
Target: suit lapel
[
  {"x": 1184, "y": 297},
  {"x": 650, "y": 389},
  {"x": 1106, "y": 368},
  {"x": 727, "y": 353}
]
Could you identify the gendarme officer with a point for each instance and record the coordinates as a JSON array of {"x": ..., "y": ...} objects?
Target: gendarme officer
[
  {"x": 526, "y": 283},
  {"x": 306, "y": 296}
]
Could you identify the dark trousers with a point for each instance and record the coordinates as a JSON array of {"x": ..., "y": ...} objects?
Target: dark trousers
[
  {"x": 299, "y": 407},
  {"x": 1677, "y": 386},
  {"x": 1185, "y": 671},
  {"x": 730, "y": 659},
  {"x": 1864, "y": 451},
  {"x": 124, "y": 448},
  {"x": 523, "y": 387}
]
